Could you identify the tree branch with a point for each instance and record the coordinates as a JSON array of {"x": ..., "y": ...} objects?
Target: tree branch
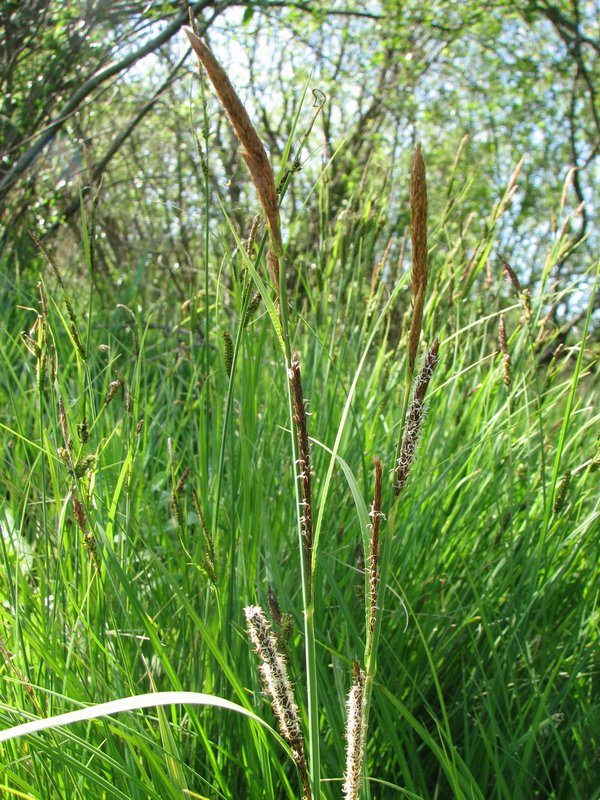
[
  {"x": 100, "y": 77},
  {"x": 100, "y": 167}
]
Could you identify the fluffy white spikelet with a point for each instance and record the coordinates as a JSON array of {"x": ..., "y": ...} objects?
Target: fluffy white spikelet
[
  {"x": 275, "y": 678},
  {"x": 355, "y": 736}
]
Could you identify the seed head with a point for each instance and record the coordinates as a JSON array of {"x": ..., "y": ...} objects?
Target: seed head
[
  {"x": 253, "y": 151},
  {"x": 505, "y": 354},
  {"x": 414, "y": 418},
  {"x": 303, "y": 457},
  {"x": 228, "y": 352},
  {"x": 355, "y": 735},
  {"x": 419, "y": 274},
  {"x": 561, "y": 492},
  {"x": 274, "y": 674}
]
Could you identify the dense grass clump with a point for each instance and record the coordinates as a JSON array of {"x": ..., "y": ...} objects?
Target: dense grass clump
[{"x": 393, "y": 470}]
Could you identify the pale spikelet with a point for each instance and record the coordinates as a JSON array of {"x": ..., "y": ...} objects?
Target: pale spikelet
[
  {"x": 379, "y": 267},
  {"x": 253, "y": 151},
  {"x": 252, "y": 235},
  {"x": 273, "y": 267},
  {"x": 515, "y": 176},
  {"x": 526, "y": 301},
  {"x": 192, "y": 20},
  {"x": 42, "y": 361},
  {"x": 303, "y": 458},
  {"x": 418, "y": 227},
  {"x": 30, "y": 343},
  {"x": 355, "y": 736},
  {"x": 414, "y": 418},
  {"x": 113, "y": 388},
  {"x": 566, "y": 186},
  {"x": 38, "y": 348},
  {"x": 564, "y": 230},
  {"x": 511, "y": 188},
  {"x": 128, "y": 398},
  {"x": 274, "y": 674},
  {"x": 43, "y": 302},
  {"x": 463, "y": 142},
  {"x": 504, "y": 351}
]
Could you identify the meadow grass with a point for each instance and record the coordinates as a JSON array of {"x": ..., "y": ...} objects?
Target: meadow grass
[{"x": 141, "y": 519}]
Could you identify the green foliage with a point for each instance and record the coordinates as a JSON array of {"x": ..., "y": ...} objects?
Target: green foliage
[
  {"x": 488, "y": 657},
  {"x": 146, "y": 459}
]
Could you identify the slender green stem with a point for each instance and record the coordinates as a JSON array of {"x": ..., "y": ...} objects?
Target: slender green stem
[
  {"x": 308, "y": 599},
  {"x": 206, "y": 187}
]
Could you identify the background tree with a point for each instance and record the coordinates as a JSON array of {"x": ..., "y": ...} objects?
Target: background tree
[{"x": 104, "y": 93}]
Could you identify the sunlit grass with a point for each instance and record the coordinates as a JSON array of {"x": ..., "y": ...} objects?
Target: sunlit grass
[{"x": 488, "y": 662}]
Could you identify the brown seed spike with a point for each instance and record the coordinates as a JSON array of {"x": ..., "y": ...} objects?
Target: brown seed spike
[
  {"x": 512, "y": 275},
  {"x": 414, "y": 418},
  {"x": 79, "y": 514},
  {"x": 182, "y": 480},
  {"x": 303, "y": 458},
  {"x": 429, "y": 365},
  {"x": 418, "y": 223},
  {"x": 505, "y": 354},
  {"x": 253, "y": 151},
  {"x": 62, "y": 418},
  {"x": 376, "y": 515}
]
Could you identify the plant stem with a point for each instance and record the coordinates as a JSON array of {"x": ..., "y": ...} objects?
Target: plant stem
[{"x": 314, "y": 761}]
